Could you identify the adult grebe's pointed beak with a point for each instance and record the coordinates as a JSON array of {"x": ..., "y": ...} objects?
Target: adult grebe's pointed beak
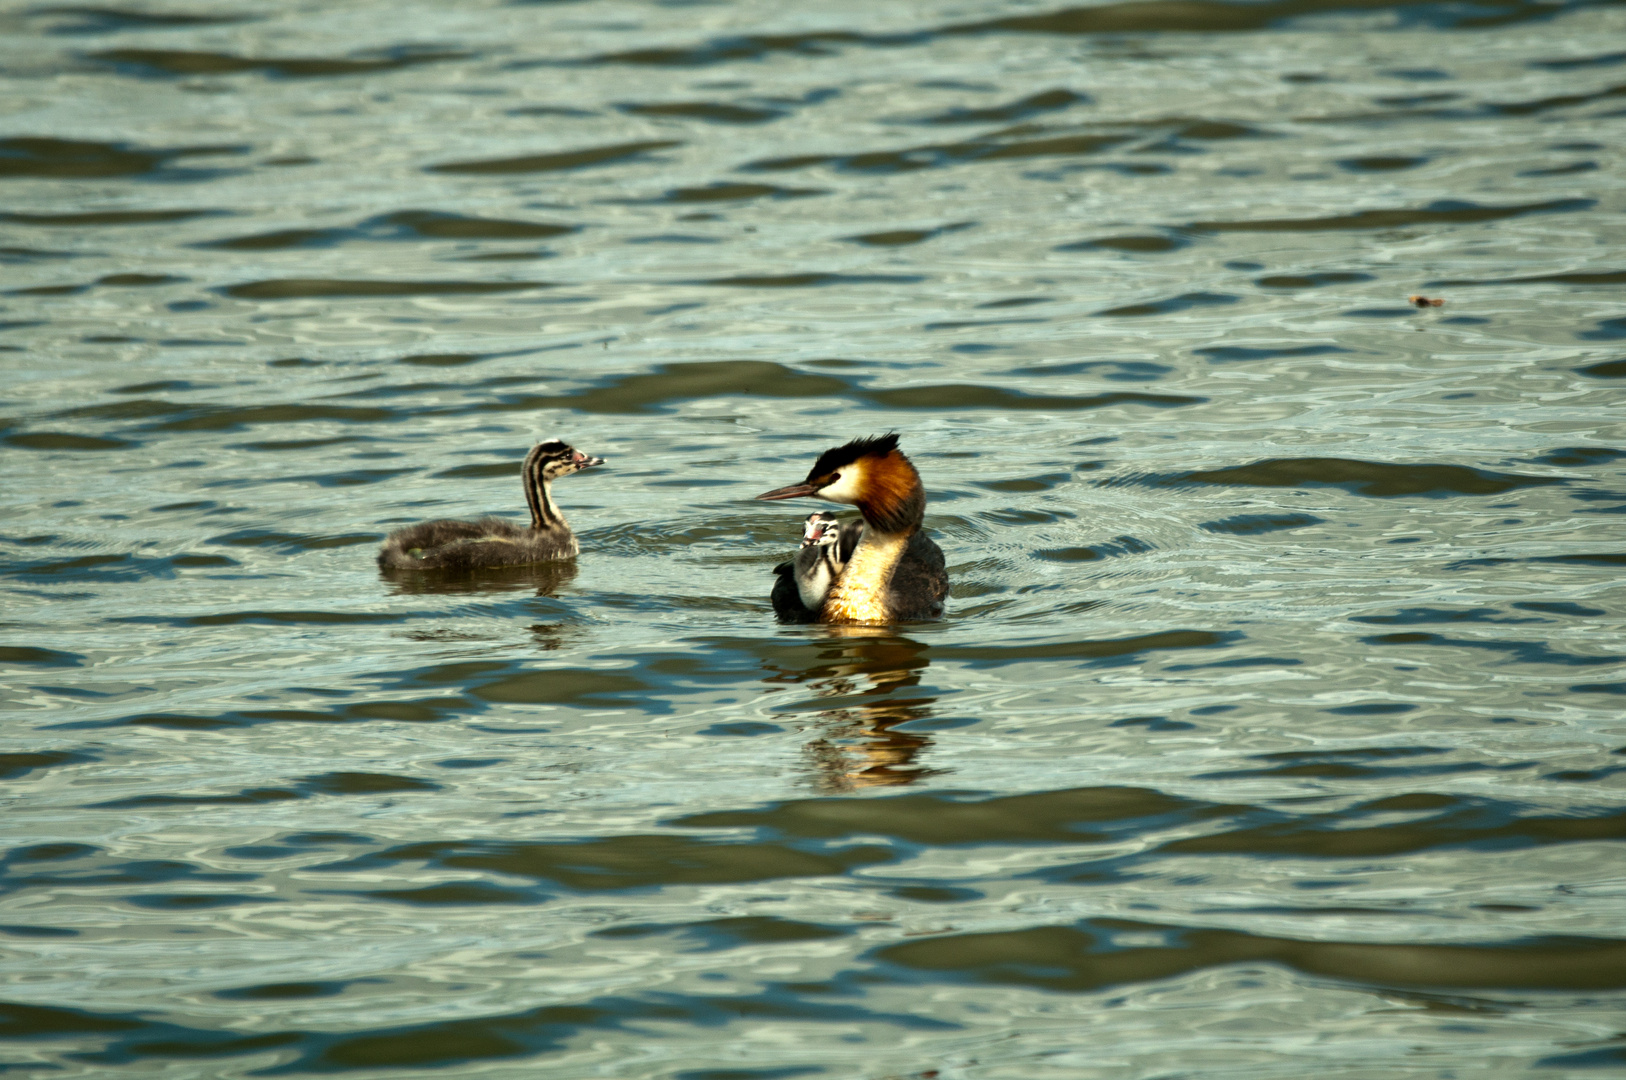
[{"x": 790, "y": 492}]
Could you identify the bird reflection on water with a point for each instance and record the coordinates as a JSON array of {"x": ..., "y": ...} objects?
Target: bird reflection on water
[
  {"x": 866, "y": 679},
  {"x": 546, "y": 578}
]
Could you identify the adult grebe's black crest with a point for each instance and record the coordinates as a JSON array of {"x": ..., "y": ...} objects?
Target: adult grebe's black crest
[
  {"x": 467, "y": 545},
  {"x": 849, "y": 452},
  {"x": 896, "y": 573}
]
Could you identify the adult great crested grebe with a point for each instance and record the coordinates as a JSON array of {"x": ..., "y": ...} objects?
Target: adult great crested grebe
[
  {"x": 896, "y": 573},
  {"x": 799, "y": 592},
  {"x": 468, "y": 545}
]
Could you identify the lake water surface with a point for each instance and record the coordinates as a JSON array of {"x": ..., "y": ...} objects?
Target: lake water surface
[{"x": 1275, "y": 729}]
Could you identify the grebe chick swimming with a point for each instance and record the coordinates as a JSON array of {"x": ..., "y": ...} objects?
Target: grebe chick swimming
[
  {"x": 468, "y": 545},
  {"x": 896, "y": 573},
  {"x": 802, "y": 583}
]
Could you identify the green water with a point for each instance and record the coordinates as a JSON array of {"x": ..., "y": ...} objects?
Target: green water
[{"x": 1275, "y": 726}]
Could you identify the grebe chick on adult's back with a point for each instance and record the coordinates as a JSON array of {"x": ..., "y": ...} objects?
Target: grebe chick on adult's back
[
  {"x": 803, "y": 582},
  {"x": 896, "y": 573},
  {"x": 468, "y": 545}
]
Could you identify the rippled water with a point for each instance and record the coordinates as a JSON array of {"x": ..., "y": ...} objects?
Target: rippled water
[{"x": 1275, "y": 729}]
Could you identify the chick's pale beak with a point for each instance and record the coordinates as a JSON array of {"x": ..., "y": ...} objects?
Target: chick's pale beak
[
  {"x": 582, "y": 461},
  {"x": 790, "y": 492}
]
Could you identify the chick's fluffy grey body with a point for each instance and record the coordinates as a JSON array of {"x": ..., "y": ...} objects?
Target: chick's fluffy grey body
[{"x": 468, "y": 545}]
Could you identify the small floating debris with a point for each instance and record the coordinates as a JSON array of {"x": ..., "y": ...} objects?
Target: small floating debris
[{"x": 1419, "y": 300}]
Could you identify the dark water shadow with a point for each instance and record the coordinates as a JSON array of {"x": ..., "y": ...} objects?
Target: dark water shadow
[
  {"x": 156, "y": 414},
  {"x": 1440, "y": 212},
  {"x": 1103, "y": 652},
  {"x": 99, "y": 218},
  {"x": 557, "y": 162},
  {"x": 1374, "y": 479},
  {"x": 998, "y": 146},
  {"x": 932, "y": 818},
  {"x": 628, "y": 861},
  {"x": 1601, "y": 277},
  {"x": 76, "y": 159},
  {"x": 401, "y": 225},
  {"x": 178, "y": 63},
  {"x": 1135, "y": 244},
  {"x": 724, "y": 50},
  {"x": 1169, "y": 305},
  {"x": 1519, "y": 652},
  {"x": 48, "y": 867},
  {"x": 670, "y": 384},
  {"x": 1220, "y": 16},
  {"x": 327, "y": 288},
  {"x": 1254, "y": 524},
  {"x": 1085, "y": 957},
  {"x": 94, "y": 19},
  {"x": 1230, "y": 353},
  {"x": 1033, "y": 105},
  {"x": 1162, "y": 825},
  {"x": 662, "y": 389},
  {"x": 110, "y": 567},
  {"x": 335, "y": 783},
  {"x": 980, "y": 396},
  {"x": 723, "y": 191},
  {"x": 1129, "y": 17},
  {"x": 18, "y": 765},
  {"x": 715, "y": 112},
  {"x": 1369, "y": 829},
  {"x": 906, "y": 237},
  {"x": 63, "y": 440},
  {"x": 126, "y": 1038}
]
